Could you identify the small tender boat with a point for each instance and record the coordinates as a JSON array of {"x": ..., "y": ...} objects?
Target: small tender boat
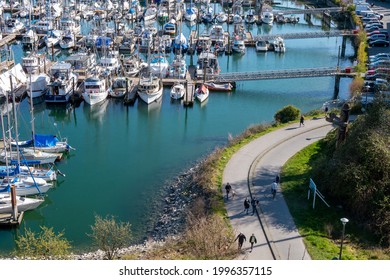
[
  {"x": 239, "y": 46},
  {"x": 202, "y": 93},
  {"x": 267, "y": 17},
  {"x": 262, "y": 45},
  {"x": 119, "y": 87},
  {"x": 219, "y": 87},
  {"x": 177, "y": 91},
  {"x": 279, "y": 45}
]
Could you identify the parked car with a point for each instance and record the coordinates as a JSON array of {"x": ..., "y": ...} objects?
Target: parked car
[
  {"x": 379, "y": 31},
  {"x": 379, "y": 56},
  {"x": 382, "y": 73},
  {"x": 379, "y": 63},
  {"x": 379, "y": 43},
  {"x": 372, "y": 28},
  {"x": 374, "y": 23},
  {"x": 374, "y": 37}
]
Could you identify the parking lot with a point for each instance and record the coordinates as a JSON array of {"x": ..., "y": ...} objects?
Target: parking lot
[{"x": 382, "y": 8}]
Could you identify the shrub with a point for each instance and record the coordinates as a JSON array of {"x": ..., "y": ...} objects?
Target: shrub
[
  {"x": 110, "y": 236},
  {"x": 287, "y": 114},
  {"x": 43, "y": 245}
]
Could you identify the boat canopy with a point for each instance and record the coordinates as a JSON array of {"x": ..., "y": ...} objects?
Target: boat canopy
[{"x": 44, "y": 140}]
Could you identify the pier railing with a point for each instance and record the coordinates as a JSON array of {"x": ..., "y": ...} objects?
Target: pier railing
[
  {"x": 306, "y": 35},
  {"x": 275, "y": 74},
  {"x": 309, "y": 11}
]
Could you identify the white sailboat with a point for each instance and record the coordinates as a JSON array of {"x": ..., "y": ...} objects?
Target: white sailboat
[
  {"x": 26, "y": 186},
  {"x": 23, "y": 203}
]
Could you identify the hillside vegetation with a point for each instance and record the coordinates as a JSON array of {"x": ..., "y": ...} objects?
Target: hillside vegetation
[{"x": 356, "y": 175}]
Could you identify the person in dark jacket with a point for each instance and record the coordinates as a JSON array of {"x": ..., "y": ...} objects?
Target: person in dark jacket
[
  {"x": 246, "y": 205},
  {"x": 228, "y": 189},
  {"x": 241, "y": 238}
]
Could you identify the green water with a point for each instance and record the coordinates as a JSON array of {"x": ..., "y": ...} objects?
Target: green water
[{"x": 124, "y": 155}]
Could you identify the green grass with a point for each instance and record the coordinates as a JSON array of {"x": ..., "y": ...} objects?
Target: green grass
[{"x": 321, "y": 227}]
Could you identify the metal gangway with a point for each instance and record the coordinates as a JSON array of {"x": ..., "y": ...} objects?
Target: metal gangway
[
  {"x": 275, "y": 74},
  {"x": 305, "y": 35},
  {"x": 310, "y": 11}
]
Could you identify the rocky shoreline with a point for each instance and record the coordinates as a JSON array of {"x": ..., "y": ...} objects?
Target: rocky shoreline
[{"x": 177, "y": 197}]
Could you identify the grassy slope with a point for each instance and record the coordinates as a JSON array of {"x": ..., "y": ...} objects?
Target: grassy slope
[{"x": 321, "y": 227}]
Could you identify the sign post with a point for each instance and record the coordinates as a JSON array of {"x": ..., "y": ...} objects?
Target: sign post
[{"x": 313, "y": 187}]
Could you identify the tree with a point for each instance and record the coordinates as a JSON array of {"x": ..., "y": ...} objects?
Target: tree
[
  {"x": 110, "y": 235},
  {"x": 287, "y": 114},
  {"x": 43, "y": 245}
]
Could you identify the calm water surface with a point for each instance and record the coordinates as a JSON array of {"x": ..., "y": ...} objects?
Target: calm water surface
[{"x": 125, "y": 154}]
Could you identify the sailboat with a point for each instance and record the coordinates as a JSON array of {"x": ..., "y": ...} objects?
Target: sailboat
[
  {"x": 29, "y": 155},
  {"x": 23, "y": 185},
  {"x": 23, "y": 203},
  {"x": 42, "y": 143}
]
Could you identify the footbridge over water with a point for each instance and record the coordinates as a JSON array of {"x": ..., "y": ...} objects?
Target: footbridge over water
[
  {"x": 278, "y": 74},
  {"x": 284, "y": 74},
  {"x": 305, "y": 35},
  {"x": 309, "y": 11}
]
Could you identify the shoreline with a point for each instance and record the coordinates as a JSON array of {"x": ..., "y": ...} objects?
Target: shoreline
[{"x": 176, "y": 198}]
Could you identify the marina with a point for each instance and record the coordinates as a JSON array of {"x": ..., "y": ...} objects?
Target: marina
[{"x": 124, "y": 154}]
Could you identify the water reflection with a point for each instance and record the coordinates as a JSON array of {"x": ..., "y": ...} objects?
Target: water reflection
[
  {"x": 60, "y": 112},
  {"x": 96, "y": 112},
  {"x": 151, "y": 110}
]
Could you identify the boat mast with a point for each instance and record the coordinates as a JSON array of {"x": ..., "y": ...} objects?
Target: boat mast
[
  {"x": 32, "y": 112},
  {"x": 15, "y": 121}
]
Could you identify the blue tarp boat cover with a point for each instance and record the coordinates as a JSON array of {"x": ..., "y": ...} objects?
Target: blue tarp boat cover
[
  {"x": 45, "y": 140},
  {"x": 100, "y": 41}
]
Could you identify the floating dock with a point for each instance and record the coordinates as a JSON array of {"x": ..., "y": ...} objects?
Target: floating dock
[
  {"x": 6, "y": 220},
  {"x": 132, "y": 93}
]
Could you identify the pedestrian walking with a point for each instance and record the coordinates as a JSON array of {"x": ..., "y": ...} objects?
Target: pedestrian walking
[
  {"x": 246, "y": 205},
  {"x": 302, "y": 121},
  {"x": 254, "y": 204},
  {"x": 228, "y": 189},
  {"x": 277, "y": 179},
  {"x": 241, "y": 238},
  {"x": 274, "y": 187},
  {"x": 252, "y": 240},
  {"x": 326, "y": 111}
]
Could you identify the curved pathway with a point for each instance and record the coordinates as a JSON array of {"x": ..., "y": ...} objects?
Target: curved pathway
[{"x": 251, "y": 171}]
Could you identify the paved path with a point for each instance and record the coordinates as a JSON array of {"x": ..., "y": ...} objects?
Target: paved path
[{"x": 256, "y": 165}]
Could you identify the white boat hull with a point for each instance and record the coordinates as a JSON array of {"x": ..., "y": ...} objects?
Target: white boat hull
[
  {"x": 95, "y": 98},
  {"x": 148, "y": 98},
  {"x": 23, "y": 203}
]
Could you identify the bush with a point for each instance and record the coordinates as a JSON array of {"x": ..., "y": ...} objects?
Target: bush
[
  {"x": 356, "y": 175},
  {"x": 43, "y": 245},
  {"x": 287, "y": 114},
  {"x": 110, "y": 236}
]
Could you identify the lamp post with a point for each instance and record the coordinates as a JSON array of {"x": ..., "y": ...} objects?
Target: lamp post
[{"x": 344, "y": 221}]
